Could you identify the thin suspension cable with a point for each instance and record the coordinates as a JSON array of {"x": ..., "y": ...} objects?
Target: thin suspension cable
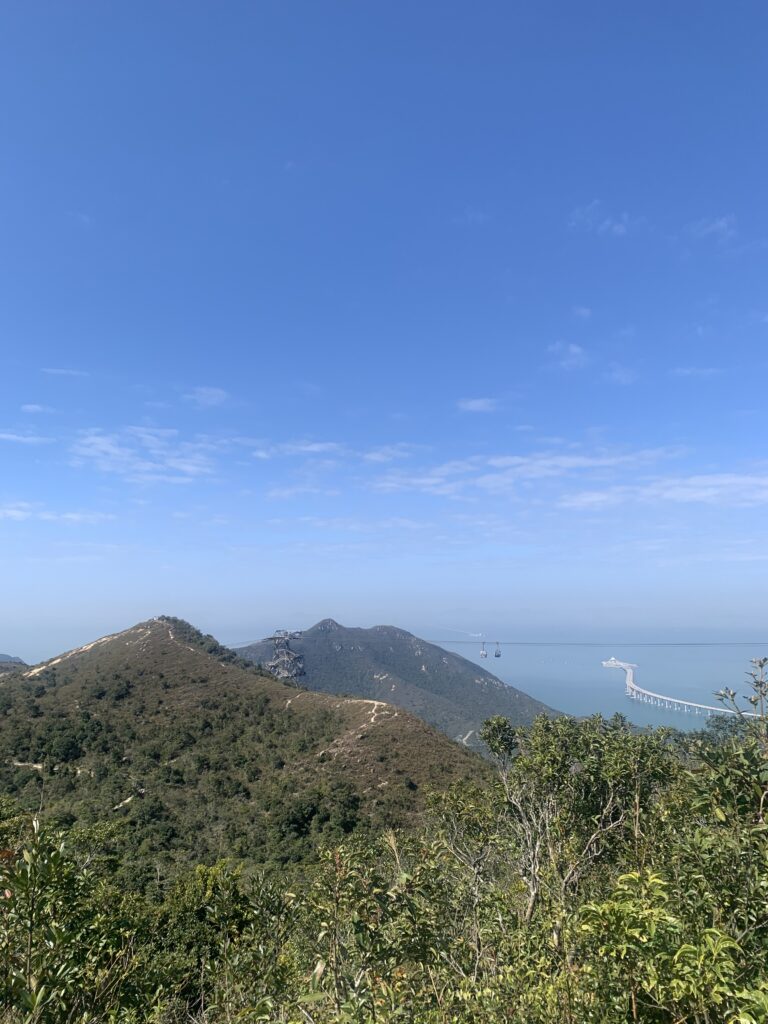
[
  {"x": 607, "y": 643},
  {"x": 567, "y": 643}
]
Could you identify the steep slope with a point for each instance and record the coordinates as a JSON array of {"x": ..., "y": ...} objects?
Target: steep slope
[
  {"x": 10, "y": 664},
  {"x": 386, "y": 663},
  {"x": 201, "y": 756}
]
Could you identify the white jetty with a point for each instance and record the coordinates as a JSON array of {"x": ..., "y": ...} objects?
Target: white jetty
[{"x": 660, "y": 700}]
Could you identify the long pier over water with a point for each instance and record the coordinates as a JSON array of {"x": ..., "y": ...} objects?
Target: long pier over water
[{"x": 660, "y": 700}]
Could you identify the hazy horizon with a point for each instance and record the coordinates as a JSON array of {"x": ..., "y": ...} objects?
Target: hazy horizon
[
  {"x": 570, "y": 677},
  {"x": 35, "y": 641}
]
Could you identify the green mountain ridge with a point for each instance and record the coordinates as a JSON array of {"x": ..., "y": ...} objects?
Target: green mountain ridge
[
  {"x": 200, "y": 755},
  {"x": 10, "y": 665},
  {"x": 390, "y": 664}
]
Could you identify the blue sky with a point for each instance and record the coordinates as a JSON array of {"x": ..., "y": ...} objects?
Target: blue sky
[{"x": 448, "y": 315}]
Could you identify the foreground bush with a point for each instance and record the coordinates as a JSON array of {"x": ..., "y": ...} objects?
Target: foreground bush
[{"x": 608, "y": 877}]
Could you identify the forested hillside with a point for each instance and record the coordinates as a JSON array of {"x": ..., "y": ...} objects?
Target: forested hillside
[
  {"x": 605, "y": 876},
  {"x": 390, "y": 664},
  {"x": 192, "y": 754}
]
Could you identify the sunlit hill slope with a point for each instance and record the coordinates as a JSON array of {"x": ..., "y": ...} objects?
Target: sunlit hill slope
[{"x": 201, "y": 755}]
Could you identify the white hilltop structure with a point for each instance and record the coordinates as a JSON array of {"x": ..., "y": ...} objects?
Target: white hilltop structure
[{"x": 660, "y": 700}]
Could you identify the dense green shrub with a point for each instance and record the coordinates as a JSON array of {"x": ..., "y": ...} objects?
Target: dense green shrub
[{"x": 607, "y": 876}]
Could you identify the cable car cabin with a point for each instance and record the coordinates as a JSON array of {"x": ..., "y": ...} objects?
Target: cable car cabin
[
  {"x": 483, "y": 652},
  {"x": 497, "y": 652}
]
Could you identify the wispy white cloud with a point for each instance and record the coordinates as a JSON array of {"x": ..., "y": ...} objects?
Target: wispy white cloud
[
  {"x": 623, "y": 375},
  {"x": 581, "y": 312},
  {"x": 314, "y": 448},
  {"x": 477, "y": 404},
  {"x": 595, "y": 218},
  {"x": 144, "y": 455},
  {"x": 718, "y": 229},
  {"x": 23, "y": 511},
  {"x": 695, "y": 371},
  {"x": 735, "y": 489},
  {"x": 32, "y": 409},
  {"x": 567, "y": 355},
  {"x": 504, "y": 474},
  {"x": 88, "y": 518},
  {"x": 17, "y": 512},
  {"x": 14, "y": 438},
  {"x": 207, "y": 397},
  {"x": 269, "y": 450},
  {"x": 332, "y": 449},
  {"x": 57, "y": 371},
  {"x": 308, "y": 467},
  {"x": 299, "y": 490},
  {"x": 389, "y": 452},
  {"x": 348, "y": 524}
]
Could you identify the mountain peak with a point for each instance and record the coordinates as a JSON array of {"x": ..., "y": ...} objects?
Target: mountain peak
[
  {"x": 163, "y": 630},
  {"x": 388, "y": 664},
  {"x": 326, "y": 626},
  {"x": 162, "y": 725}
]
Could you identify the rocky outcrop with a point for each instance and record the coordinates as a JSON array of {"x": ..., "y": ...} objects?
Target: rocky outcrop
[{"x": 285, "y": 664}]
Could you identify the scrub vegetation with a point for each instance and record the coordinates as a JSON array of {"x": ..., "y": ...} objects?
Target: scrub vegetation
[
  {"x": 598, "y": 874},
  {"x": 193, "y": 755}
]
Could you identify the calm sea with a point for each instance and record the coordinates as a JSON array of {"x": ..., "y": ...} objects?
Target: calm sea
[{"x": 572, "y": 679}]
